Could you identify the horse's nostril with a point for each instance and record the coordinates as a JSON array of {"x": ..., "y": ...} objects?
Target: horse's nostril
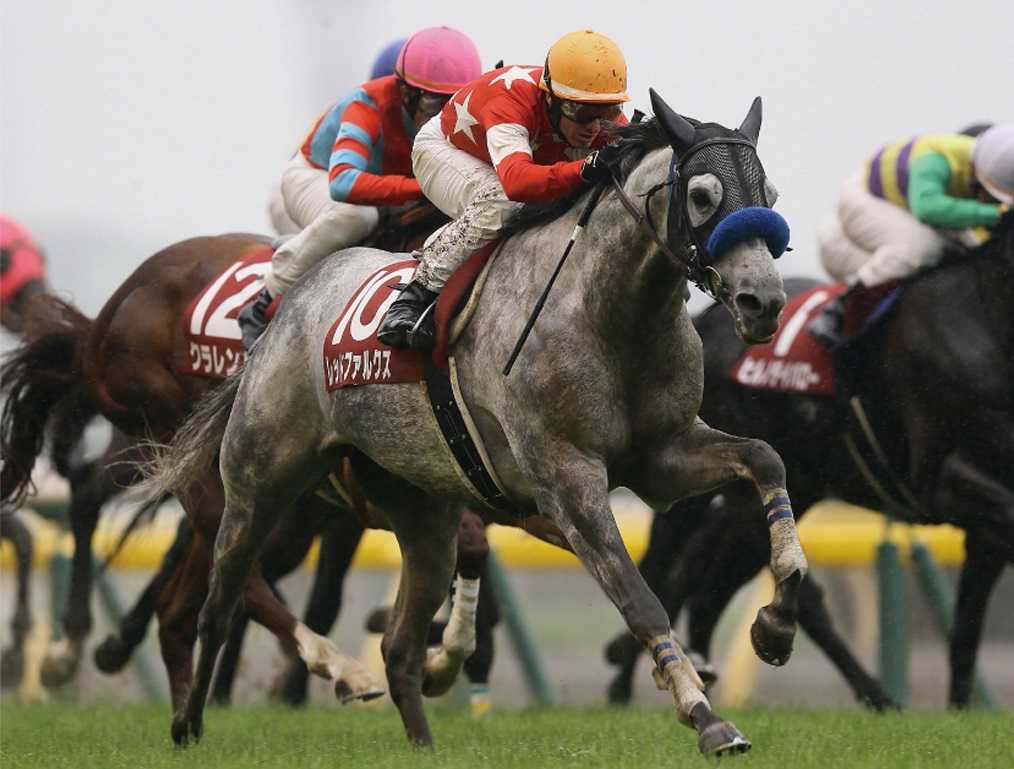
[{"x": 749, "y": 305}]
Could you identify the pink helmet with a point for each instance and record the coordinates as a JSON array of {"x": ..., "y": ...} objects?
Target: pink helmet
[
  {"x": 21, "y": 260},
  {"x": 439, "y": 60}
]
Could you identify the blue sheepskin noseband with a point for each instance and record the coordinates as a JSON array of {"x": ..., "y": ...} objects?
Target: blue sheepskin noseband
[{"x": 754, "y": 221}]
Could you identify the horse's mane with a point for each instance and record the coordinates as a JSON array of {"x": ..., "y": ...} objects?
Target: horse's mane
[{"x": 633, "y": 142}]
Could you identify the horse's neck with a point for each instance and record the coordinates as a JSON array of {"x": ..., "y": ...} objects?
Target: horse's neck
[
  {"x": 629, "y": 282},
  {"x": 995, "y": 282}
]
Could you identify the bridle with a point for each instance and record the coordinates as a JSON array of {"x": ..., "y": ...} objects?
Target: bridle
[{"x": 692, "y": 258}]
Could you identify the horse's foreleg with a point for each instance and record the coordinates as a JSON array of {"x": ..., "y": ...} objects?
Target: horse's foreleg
[
  {"x": 709, "y": 458},
  {"x": 572, "y": 492},
  {"x": 964, "y": 484},
  {"x": 979, "y": 574}
]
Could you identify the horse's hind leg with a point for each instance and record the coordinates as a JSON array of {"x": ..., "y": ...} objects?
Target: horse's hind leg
[
  {"x": 12, "y": 660},
  {"x": 426, "y": 534},
  {"x": 115, "y": 651},
  {"x": 338, "y": 544},
  {"x": 89, "y": 492}
]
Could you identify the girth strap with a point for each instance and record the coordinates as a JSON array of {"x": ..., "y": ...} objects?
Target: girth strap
[{"x": 459, "y": 440}]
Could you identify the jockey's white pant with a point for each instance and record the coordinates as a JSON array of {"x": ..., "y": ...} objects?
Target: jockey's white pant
[
  {"x": 327, "y": 225},
  {"x": 874, "y": 239},
  {"x": 466, "y": 189},
  {"x": 281, "y": 222}
]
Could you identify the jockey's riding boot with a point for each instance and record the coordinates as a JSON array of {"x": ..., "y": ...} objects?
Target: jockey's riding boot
[
  {"x": 409, "y": 322},
  {"x": 251, "y": 318},
  {"x": 827, "y": 328}
]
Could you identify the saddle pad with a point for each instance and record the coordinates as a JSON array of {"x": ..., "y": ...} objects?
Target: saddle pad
[
  {"x": 214, "y": 342},
  {"x": 352, "y": 354},
  {"x": 793, "y": 361}
]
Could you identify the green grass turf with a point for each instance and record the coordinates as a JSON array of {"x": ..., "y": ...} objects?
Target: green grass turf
[{"x": 105, "y": 736}]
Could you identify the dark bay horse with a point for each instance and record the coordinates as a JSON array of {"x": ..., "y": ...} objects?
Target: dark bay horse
[
  {"x": 605, "y": 393},
  {"x": 92, "y": 482},
  {"x": 935, "y": 380}
]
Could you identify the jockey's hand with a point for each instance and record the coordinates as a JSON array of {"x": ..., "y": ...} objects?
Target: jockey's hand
[{"x": 598, "y": 166}]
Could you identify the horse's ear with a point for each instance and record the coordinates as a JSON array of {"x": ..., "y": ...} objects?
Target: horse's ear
[
  {"x": 679, "y": 130},
  {"x": 752, "y": 123}
]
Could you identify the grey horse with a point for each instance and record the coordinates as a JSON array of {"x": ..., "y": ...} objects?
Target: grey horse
[{"x": 604, "y": 393}]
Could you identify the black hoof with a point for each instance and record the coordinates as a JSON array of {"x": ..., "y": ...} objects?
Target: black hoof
[
  {"x": 185, "y": 731},
  {"x": 12, "y": 667},
  {"x": 112, "y": 655},
  {"x": 771, "y": 642},
  {"x": 715, "y": 735},
  {"x": 622, "y": 650},
  {"x": 620, "y": 690}
]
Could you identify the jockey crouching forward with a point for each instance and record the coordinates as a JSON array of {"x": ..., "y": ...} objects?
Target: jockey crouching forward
[
  {"x": 894, "y": 217},
  {"x": 515, "y": 135},
  {"x": 358, "y": 157}
]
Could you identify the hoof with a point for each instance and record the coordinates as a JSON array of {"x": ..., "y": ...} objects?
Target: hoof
[
  {"x": 620, "y": 690},
  {"x": 185, "y": 731},
  {"x": 378, "y": 619},
  {"x": 56, "y": 671},
  {"x": 346, "y": 693},
  {"x": 623, "y": 650},
  {"x": 771, "y": 642},
  {"x": 722, "y": 739},
  {"x": 112, "y": 655}
]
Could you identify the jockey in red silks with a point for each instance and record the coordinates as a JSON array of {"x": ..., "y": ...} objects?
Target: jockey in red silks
[
  {"x": 357, "y": 156},
  {"x": 22, "y": 269},
  {"x": 516, "y": 135}
]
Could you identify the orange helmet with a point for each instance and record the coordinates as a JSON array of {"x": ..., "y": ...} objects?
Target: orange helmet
[{"x": 587, "y": 67}]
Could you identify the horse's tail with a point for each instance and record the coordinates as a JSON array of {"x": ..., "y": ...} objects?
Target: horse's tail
[
  {"x": 174, "y": 467},
  {"x": 43, "y": 385}
]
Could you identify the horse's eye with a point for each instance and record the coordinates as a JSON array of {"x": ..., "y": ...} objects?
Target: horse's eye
[{"x": 700, "y": 198}]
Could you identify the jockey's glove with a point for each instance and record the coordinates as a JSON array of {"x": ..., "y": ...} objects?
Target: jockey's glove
[{"x": 598, "y": 166}]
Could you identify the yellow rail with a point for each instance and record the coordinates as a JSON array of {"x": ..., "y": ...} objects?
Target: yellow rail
[{"x": 832, "y": 533}]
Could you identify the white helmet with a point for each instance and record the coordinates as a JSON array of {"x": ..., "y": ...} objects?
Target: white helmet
[{"x": 993, "y": 158}]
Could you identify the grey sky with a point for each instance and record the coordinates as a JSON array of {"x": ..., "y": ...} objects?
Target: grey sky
[{"x": 130, "y": 124}]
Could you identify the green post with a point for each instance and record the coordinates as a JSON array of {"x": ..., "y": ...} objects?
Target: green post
[
  {"x": 531, "y": 665},
  {"x": 893, "y": 631},
  {"x": 941, "y": 602}
]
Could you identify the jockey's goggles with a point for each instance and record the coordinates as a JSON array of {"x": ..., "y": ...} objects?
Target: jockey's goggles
[
  {"x": 582, "y": 112},
  {"x": 430, "y": 103}
]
